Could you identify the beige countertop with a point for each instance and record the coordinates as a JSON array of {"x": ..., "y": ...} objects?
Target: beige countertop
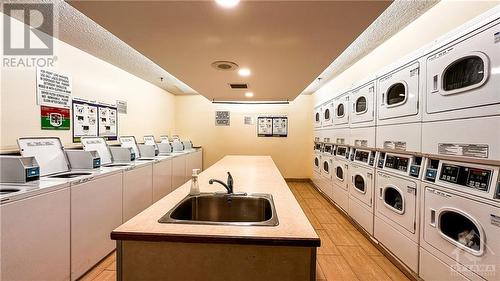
[{"x": 251, "y": 174}]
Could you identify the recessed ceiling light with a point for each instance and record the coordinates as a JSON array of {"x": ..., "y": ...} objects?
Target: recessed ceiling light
[
  {"x": 248, "y": 94},
  {"x": 227, "y": 3},
  {"x": 244, "y": 72}
]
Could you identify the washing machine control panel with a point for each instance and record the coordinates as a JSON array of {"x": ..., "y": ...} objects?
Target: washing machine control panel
[
  {"x": 465, "y": 176},
  {"x": 397, "y": 162},
  {"x": 342, "y": 151}
]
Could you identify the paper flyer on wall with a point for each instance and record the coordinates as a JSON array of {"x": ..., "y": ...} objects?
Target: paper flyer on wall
[
  {"x": 85, "y": 122},
  {"x": 53, "y": 89},
  {"x": 264, "y": 126},
  {"x": 280, "y": 126},
  {"x": 108, "y": 121}
]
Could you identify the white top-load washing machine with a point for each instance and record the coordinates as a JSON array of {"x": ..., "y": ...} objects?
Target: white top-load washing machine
[
  {"x": 399, "y": 113},
  {"x": 35, "y": 231},
  {"x": 362, "y": 115},
  {"x": 327, "y": 114},
  {"x": 460, "y": 224},
  {"x": 100, "y": 188},
  {"x": 397, "y": 190},
  {"x": 462, "y": 94},
  {"x": 340, "y": 175},
  {"x": 340, "y": 121},
  {"x": 326, "y": 184},
  {"x": 362, "y": 187}
]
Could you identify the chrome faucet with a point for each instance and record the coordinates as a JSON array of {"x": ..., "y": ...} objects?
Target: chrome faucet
[{"x": 228, "y": 186}]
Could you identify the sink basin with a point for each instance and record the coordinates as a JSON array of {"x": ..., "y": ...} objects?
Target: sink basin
[
  {"x": 70, "y": 175},
  {"x": 224, "y": 209}
]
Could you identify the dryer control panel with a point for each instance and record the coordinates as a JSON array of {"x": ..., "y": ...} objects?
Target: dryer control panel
[
  {"x": 342, "y": 151},
  {"x": 466, "y": 176},
  {"x": 403, "y": 164}
]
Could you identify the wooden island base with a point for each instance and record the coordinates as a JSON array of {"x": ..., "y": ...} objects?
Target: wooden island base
[{"x": 139, "y": 260}]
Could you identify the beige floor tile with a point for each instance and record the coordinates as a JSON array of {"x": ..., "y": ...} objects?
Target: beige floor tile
[
  {"x": 345, "y": 223},
  {"x": 106, "y": 275},
  {"x": 314, "y": 203},
  {"x": 327, "y": 245},
  {"x": 394, "y": 273},
  {"x": 336, "y": 268},
  {"x": 312, "y": 218},
  {"x": 339, "y": 235},
  {"x": 320, "y": 276},
  {"x": 362, "y": 265},
  {"x": 366, "y": 245},
  {"x": 324, "y": 216}
]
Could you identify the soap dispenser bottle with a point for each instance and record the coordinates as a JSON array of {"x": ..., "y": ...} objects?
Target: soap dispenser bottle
[{"x": 195, "y": 188}]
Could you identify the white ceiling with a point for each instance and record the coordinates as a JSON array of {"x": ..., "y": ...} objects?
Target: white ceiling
[{"x": 286, "y": 44}]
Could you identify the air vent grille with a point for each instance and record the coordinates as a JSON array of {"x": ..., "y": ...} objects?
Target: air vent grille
[{"x": 238, "y": 86}]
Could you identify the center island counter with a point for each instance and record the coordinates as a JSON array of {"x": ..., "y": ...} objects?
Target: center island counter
[{"x": 149, "y": 250}]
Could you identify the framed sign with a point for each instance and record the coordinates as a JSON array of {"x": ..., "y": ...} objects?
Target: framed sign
[
  {"x": 264, "y": 126},
  {"x": 85, "y": 121},
  {"x": 280, "y": 126},
  {"x": 222, "y": 118}
]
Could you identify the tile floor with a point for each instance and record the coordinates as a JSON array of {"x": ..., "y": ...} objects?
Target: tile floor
[{"x": 345, "y": 254}]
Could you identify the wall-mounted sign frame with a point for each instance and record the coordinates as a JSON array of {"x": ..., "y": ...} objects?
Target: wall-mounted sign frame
[
  {"x": 222, "y": 118},
  {"x": 108, "y": 121},
  {"x": 272, "y": 126},
  {"x": 85, "y": 119}
]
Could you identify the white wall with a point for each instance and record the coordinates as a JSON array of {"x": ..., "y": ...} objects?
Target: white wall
[
  {"x": 150, "y": 109},
  {"x": 195, "y": 118},
  {"x": 445, "y": 16}
]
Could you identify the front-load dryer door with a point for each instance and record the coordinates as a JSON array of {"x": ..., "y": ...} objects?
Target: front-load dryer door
[
  {"x": 363, "y": 104},
  {"x": 317, "y": 118},
  {"x": 326, "y": 167},
  {"x": 361, "y": 184},
  {"x": 327, "y": 114},
  {"x": 396, "y": 200},
  {"x": 341, "y": 111},
  {"x": 398, "y": 93},
  {"x": 317, "y": 163},
  {"x": 464, "y": 229},
  {"x": 464, "y": 74},
  {"x": 340, "y": 174}
]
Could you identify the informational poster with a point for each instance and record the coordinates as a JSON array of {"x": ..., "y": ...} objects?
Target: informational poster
[
  {"x": 265, "y": 126},
  {"x": 272, "y": 126},
  {"x": 280, "y": 126},
  {"x": 53, "y": 89},
  {"x": 121, "y": 106},
  {"x": 108, "y": 122},
  {"x": 85, "y": 122},
  {"x": 222, "y": 118},
  {"x": 54, "y": 118}
]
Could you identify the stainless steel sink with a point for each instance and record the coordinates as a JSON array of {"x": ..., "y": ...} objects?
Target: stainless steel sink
[{"x": 224, "y": 209}]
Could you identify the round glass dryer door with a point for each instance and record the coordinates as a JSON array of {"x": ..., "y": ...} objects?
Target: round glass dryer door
[
  {"x": 327, "y": 114},
  {"x": 326, "y": 167},
  {"x": 393, "y": 198},
  {"x": 463, "y": 73},
  {"x": 461, "y": 230},
  {"x": 359, "y": 183},
  {"x": 317, "y": 117},
  {"x": 316, "y": 162}
]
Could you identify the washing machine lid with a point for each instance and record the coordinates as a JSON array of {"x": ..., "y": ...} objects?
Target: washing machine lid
[
  {"x": 150, "y": 140},
  {"x": 98, "y": 144},
  {"x": 129, "y": 141},
  {"x": 48, "y": 152},
  {"x": 164, "y": 139}
]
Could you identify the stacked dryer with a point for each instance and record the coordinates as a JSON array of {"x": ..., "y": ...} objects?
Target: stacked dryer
[
  {"x": 362, "y": 187},
  {"x": 318, "y": 147},
  {"x": 462, "y": 94},
  {"x": 396, "y": 221},
  {"x": 460, "y": 221},
  {"x": 327, "y": 169},
  {"x": 340, "y": 122},
  {"x": 362, "y": 115},
  {"x": 340, "y": 177}
]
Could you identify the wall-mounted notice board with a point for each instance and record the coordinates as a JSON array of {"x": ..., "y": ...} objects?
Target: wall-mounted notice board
[
  {"x": 272, "y": 126},
  {"x": 108, "y": 121},
  {"x": 85, "y": 122}
]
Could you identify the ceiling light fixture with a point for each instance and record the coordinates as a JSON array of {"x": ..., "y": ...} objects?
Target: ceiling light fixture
[
  {"x": 227, "y": 3},
  {"x": 248, "y": 94},
  {"x": 244, "y": 72}
]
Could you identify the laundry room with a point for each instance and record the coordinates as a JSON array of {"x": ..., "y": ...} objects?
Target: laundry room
[{"x": 250, "y": 140}]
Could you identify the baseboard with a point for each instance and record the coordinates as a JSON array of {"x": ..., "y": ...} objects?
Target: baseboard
[{"x": 298, "y": 180}]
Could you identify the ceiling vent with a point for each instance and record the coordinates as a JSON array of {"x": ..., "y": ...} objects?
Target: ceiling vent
[
  {"x": 224, "y": 65},
  {"x": 238, "y": 86}
]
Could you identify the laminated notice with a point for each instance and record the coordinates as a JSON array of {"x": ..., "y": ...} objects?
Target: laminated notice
[
  {"x": 395, "y": 145},
  {"x": 468, "y": 150}
]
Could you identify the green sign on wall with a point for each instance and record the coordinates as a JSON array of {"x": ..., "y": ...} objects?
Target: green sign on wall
[{"x": 53, "y": 118}]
